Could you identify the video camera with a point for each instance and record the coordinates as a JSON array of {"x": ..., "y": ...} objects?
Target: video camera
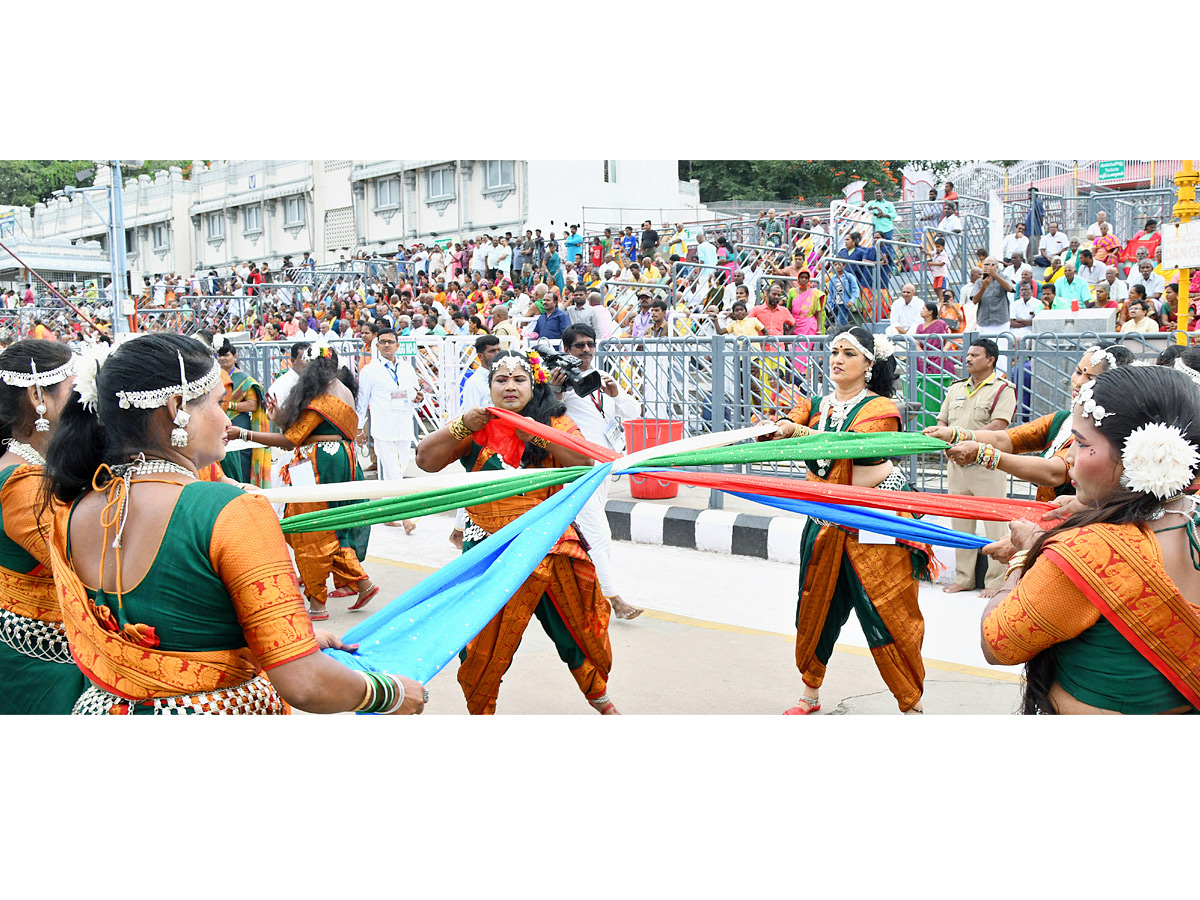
[{"x": 582, "y": 383}]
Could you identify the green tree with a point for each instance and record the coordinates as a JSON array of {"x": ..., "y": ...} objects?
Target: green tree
[
  {"x": 787, "y": 179},
  {"x": 24, "y": 182}
]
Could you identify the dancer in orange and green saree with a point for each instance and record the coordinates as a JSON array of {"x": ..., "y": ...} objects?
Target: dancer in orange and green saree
[
  {"x": 36, "y": 670},
  {"x": 1100, "y": 614},
  {"x": 245, "y": 405},
  {"x": 319, "y": 425},
  {"x": 1036, "y": 451},
  {"x": 839, "y": 571},
  {"x": 177, "y": 595},
  {"x": 562, "y": 592}
]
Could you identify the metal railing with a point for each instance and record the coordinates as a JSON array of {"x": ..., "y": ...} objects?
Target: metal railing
[{"x": 711, "y": 384}]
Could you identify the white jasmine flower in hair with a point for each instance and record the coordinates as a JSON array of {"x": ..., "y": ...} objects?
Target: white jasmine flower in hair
[
  {"x": 884, "y": 348},
  {"x": 86, "y": 371},
  {"x": 1159, "y": 460}
]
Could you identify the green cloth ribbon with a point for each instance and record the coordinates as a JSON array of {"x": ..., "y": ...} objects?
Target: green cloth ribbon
[
  {"x": 426, "y": 503},
  {"x": 830, "y": 445}
]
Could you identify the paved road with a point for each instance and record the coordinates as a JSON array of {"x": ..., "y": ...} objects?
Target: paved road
[{"x": 717, "y": 637}]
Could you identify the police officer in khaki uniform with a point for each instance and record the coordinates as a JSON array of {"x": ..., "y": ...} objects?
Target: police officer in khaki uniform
[{"x": 982, "y": 401}]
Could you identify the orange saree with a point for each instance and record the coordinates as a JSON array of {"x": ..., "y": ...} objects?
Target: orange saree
[
  {"x": 562, "y": 593},
  {"x": 1084, "y": 579},
  {"x": 877, "y": 581}
]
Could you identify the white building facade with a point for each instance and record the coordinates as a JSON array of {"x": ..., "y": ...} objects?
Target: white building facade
[{"x": 264, "y": 211}]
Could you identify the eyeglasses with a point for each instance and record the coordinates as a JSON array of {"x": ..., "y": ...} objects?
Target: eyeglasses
[
  {"x": 584, "y": 345},
  {"x": 385, "y": 342}
]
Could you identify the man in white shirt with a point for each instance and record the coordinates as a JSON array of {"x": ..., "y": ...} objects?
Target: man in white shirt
[
  {"x": 1089, "y": 270},
  {"x": 1053, "y": 243},
  {"x": 304, "y": 333},
  {"x": 1022, "y": 308},
  {"x": 389, "y": 390},
  {"x": 1012, "y": 272},
  {"x": 1093, "y": 231},
  {"x": 599, "y": 417},
  {"x": 966, "y": 299},
  {"x": 906, "y": 312},
  {"x": 951, "y": 226},
  {"x": 604, "y": 316},
  {"x": 1145, "y": 275},
  {"x": 1118, "y": 290},
  {"x": 477, "y": 391},
  {"x": 1016, "y": 242}
]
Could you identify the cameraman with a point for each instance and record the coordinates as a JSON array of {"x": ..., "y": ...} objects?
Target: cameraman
[{"x": 598, "y": 416}]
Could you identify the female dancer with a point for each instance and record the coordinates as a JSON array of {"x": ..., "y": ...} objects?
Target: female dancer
[
  {"x": 36, "y": 669},
  {"x": 562, "y": 591},
  {"x": 179, "y": 596},
  {"x": 319, "y": 423},
  {"x": 838, "y": 572},
  {"x": 1034, "y": 452},
  {"x": 1099, "y": 615},
  {"x": 244, "y": 398}
]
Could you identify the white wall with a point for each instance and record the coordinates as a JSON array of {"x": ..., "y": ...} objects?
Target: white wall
[{"x": 560, "y": 189}]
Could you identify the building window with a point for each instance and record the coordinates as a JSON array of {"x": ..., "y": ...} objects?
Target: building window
[
  {"x": 159, "y": 236},
  {"x": 499, "y": 175},
  {"x": 440, "y": 183},
  {"x": 387, "y": 193},
  {"x": 293, "y": 211},
  {"x": 610, "y": 171},
  {"x": 130, "y": 242},
  {"x": 251, "y": 220},
  {"x": 216, "y": 225}
]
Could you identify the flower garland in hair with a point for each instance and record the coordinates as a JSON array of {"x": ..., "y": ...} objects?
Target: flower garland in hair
[
  {"x": 319, "y": 348},
  {"x": 87, "y": 369},
  {"x": 1158, "y": 460},
  {"x": 884, "y": 348},
  {"x": 1091, "y": 409},
  {"x": 1097, "y": 354},
  {"x": 536, "y": 369}
]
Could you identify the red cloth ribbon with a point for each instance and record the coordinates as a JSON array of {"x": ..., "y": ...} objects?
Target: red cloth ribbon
[
  {"x": 500, "y": 435},
  {"x": 991, "y": 509},
  {"x": 956, "y": 506}
]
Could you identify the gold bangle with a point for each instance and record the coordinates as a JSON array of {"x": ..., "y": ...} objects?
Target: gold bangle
[
  {"x": 459, "y": 430},
  {"x": 369, "y": 698},
  {"x": 540, "y": 442}
]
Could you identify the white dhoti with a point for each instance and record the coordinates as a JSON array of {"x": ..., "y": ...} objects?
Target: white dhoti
[
  {"x": 592, "y": 523},
  {"x": 393, "y": 458}
]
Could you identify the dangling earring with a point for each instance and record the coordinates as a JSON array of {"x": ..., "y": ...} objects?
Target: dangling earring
[
  {"x": 41, "y": 423},
  {"x": 179, "y": 437}
]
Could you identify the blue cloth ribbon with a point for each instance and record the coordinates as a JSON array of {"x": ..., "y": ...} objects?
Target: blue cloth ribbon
[{"x": 420, "y": 631}]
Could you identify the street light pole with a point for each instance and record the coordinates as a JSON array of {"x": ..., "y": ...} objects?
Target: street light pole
[
  {"x": 1185, "y": 210},
  {"x": 116, "y": 240}
]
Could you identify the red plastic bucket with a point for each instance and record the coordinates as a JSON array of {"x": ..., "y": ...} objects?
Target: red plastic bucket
[{"x": 643, "y": 433}]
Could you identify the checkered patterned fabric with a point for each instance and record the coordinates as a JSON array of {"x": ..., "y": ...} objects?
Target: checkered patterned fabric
[
  {"x": 472, "y": 532},
  {"x": 256, "y": 697},
  {"x": 41, "y": 640}
]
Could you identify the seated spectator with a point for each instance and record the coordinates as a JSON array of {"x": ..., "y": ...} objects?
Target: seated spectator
[
  {"x": 1106, "y": 247},
  {"x": 1052, "y": 244},
  {"x": 1089, "y": 270},
  {"x": 1102, "y": 299},
  {"x": 906, "y": 311},
  {"x": 1097, "y": 228},
  {"x": 1012, "y": 272},
  {"x": 1117, "y": 290},
  {"x": 1150, "y": 234},
  {"x": 1073, "y": 291},
  {"x": 1016, "y": 242},
  {"x": 1140, "y": 320},
  {"x": 1155, "y": 284},
  {"x": 1072, "y": 254}
]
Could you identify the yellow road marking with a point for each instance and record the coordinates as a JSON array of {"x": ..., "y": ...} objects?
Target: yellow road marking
[
  {"x": 960, "y": 668},
  {"x": 416, "y": 567}
]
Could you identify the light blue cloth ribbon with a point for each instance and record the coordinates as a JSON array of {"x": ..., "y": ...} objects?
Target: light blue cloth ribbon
[{"x": 420, "y": 631}]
